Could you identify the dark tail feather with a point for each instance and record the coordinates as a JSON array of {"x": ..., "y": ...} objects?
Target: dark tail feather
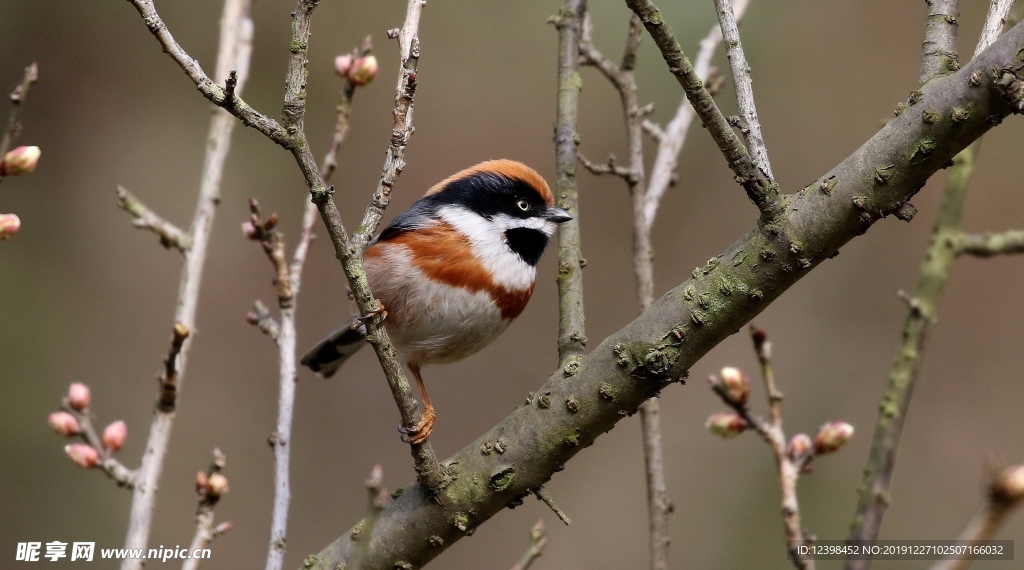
[{"x": 329, "y": 354}]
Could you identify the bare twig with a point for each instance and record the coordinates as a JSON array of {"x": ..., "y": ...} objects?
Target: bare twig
[
  {"x": 744, "y": 89},
  {"x": 18, "y": 97},
  {"x": 938, "y": 260},
  {"x": 760, "y": 189},
  {"x": 791, "y": 460},
  {"x": 989, "y": 245},
  {"x": 210, "y": 486},
  {"x": 572, "y": 340},
  {"x": 377, "y": 497},
  {"x": 1005, "y": 493},
  {"x": 261, "y": 318},
  {"x": 170, "y": 234},
  {"x": 670, "y": 143},
  {"x": 939, "y": 55},
  {"x": 537, "y": 543},
  {"x": 546, "y": 498},
  {"x": 236, "y": 37},
  {"x": 288, "y": 281},
  {"x": 998, "y": 16}
]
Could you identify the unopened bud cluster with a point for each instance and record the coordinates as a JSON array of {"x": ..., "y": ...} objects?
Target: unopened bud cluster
[
  {"x": 212, "y": 486},
  {"x": 732, "y": 385},
  {"x": 831, "y": 436},
  {"x": 74, "y": 420},
  {"x": 360, "y": 70},
  {"x": 1008, "y": 486},
  {"x": 9, "y": 225},
  {"x": 726, "y": 424}
]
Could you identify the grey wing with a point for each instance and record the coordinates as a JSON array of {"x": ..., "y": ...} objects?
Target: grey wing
[{"x": 329, "y": 354}]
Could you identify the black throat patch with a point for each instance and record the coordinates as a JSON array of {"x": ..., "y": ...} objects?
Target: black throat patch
[{"x": 528, "y": 243}]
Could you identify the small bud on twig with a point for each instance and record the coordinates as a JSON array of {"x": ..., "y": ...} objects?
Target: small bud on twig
[
  {"x": 735, "y": 386},
  {"x": 202, "y": 483},
  {"x": 21, "y": 160},
  {"x": 363, "y": 70},
  {"x": 114, "y": 435},
  {"x": 726, "y": 424},
  {"x": 1008, "y": 486},
  {"x": 64, "y": 424},
  {"x": 82, "y": 455},
  {"x": 79, "y": 396},
  {"x": 250, "y": 231},
  {"x": 217, "y": 485},
  {"x": 9, "y": 225},
  {"x": 799, "y": 446},
  {"x": 343, "y": 64},
  {"x": 831, "y": 436}
]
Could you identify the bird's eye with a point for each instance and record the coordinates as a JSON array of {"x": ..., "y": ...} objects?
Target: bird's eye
[{"x": 523, "y": 205}]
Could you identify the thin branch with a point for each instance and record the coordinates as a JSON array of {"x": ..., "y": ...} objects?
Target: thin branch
[
  {"x": 284, "y": 335},
  {"x": 546, "y": 498},
  {"x": 18, "y": 97},
  {"x": 760, "y": 189},
  {"x": 998, "y": 15},
  {"x": 990, "y": 245},
  {"x": 168, "y": 381},
  {"x": 939, "y": 55},
  {"x": 663, "y": 170},
  {"x": 117, "y": 471},
  {"x": 744, "y": 89},
  {"x": 261, "y": 318},
  {"x": 234, "y": 53},
  {"x": 572, "y": 340},
  {"x": 537, "y": 543},
  {"x": 170, "y": 234},
  {"x": 210, "y": 486},
  {"x": 609, "y": 167},
  {"x": 938, "y": 260},
  {"x": 211, "y": 90},
  {"x": 1005, "y": 493}
]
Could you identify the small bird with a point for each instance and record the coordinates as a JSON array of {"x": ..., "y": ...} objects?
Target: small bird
[{"x": 453, "y": 271}]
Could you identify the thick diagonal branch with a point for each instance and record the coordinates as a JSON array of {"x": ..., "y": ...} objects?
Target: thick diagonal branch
[{"x": 541, "y": 436}]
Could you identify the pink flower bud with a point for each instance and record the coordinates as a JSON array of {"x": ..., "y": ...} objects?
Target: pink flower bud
[
  {"x": 343, "y": 64},
  {"x": 726, "y": 424},
  {"x": 21, "y": 160},
  {"x": 202, "y": 482},
  {"x": 735, "y": 386},
  {"x": 799, "y": 446},
  {"x": 363, "y": 70},
  {"x": 114, "y": 435},
  {"x": 222, "y": 528},
  {"x": 1009, "y": 484},
  {"x": 78, "y": 396},
  {"x": 64, "y": 424},
  {"x": 832, "y": 436},
  {"x": 9, "y": 225},
  {"x": 250, "y": 231},
  {"x": 217, "y": 485},
  {"x": 82, "y": 455}
]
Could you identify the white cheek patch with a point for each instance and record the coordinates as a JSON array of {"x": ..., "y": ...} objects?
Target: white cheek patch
[
  {"x": 489, "y": 244},
  {"x": 546, "y": 227}
]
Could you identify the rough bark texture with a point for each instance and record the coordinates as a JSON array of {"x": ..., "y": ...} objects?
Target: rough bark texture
[{"x": 579, "y": 403}]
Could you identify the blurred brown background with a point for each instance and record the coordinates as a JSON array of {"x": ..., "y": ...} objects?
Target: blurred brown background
[{"x": 83, "y": 296}]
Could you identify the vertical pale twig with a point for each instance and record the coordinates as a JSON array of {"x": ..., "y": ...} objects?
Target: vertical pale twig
[
  {"x": 750, "y": 127},
  {"x": 286, "y": 339},
  {"x": 233, "y": 56},
  {"x": 923, "y": 305},
  {"x": 572, "y": 338},
  {"x": 376, "y": 499}
]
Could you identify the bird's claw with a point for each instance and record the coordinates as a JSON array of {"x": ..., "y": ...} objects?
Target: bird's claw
[
  {"x": 419, "y": 433},
  {"x": 378, "y": 309}
]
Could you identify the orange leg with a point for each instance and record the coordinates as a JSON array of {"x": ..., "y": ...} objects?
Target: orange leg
[
  {"x": 377, "y": 310},
  {"x": 421, "y": 432}
]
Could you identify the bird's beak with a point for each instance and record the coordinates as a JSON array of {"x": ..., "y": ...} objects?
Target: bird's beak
[{"x": 557, "y": 215}]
